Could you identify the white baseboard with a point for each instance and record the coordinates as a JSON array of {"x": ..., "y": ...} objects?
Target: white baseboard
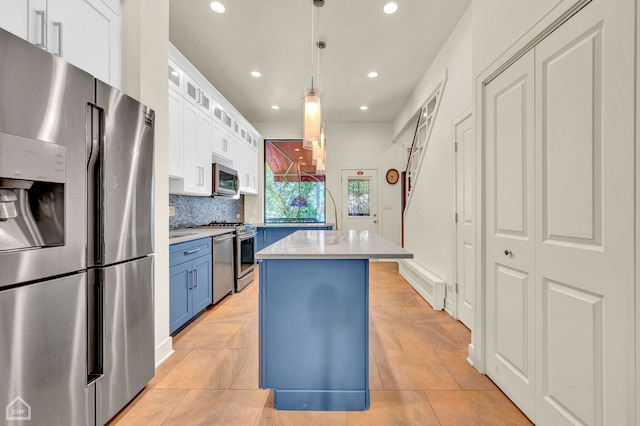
[
  {"x": 470, "y": 355},
  {"x": 163, "y": 351},
  {"x": 427, "y": 284}
]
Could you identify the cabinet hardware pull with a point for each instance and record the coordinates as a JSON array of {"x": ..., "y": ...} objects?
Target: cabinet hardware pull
[
  {"x": 43, "y": 40},
  {"x": 507, "y": 253},
  {"x": 195, "y": 278},
  {"x": 192, "y": 251},
  {"x": 58, "y": 25}
]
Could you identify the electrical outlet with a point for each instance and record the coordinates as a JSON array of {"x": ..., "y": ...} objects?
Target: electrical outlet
[{"x": 172, "y": 211}]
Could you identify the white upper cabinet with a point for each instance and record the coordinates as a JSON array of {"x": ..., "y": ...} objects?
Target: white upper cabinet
[
  {"x": 13, "y": 17},
  {"x": 202, "y": 123},
  {"x": 176, "y": 145},
  {"x": 84, "y": 32},
  {"x": 176, "y": 77}
]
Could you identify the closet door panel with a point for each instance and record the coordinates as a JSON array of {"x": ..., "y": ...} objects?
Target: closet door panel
[
  {"x": 584, "y": 200},
  {"x": 509, "y": 224}
]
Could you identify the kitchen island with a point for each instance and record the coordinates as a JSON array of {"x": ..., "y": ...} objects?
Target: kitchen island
[{"x": 314, "y": 318}]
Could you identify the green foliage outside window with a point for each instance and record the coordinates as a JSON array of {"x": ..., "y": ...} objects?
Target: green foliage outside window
[{"x": 278, "y": 196}]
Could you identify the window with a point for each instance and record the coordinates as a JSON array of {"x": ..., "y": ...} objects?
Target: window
[
  {"x": 293, "y": 190},
  {"x": 359, "y": 197}
]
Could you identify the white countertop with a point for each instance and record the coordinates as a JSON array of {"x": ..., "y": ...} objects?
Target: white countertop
[
  {"x": 333, "y": 245},
  {"x": 293, "y": 225},
  {"x": 188, "y": 234}
]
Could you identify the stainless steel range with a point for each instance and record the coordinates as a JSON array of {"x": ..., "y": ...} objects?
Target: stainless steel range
[{"x": 245, "y": 261}]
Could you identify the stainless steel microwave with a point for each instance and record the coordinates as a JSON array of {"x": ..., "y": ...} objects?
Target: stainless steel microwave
[{"x": 225, "y": 180}]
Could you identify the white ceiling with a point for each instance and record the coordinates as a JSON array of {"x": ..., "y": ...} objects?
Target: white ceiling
[{"x": 274, "y": 37}]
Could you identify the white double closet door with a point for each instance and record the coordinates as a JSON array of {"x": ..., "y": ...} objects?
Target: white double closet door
[{"x": 559, "y": 222}]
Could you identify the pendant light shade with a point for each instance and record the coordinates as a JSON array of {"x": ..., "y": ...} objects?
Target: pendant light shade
[{"x": 312, "y": 117}]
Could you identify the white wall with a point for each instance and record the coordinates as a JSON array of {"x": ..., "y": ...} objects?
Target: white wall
[
  {"x": 497, "y": 24},
  {"x": 429, "y": 218},
  {"x": 145, "y": 36},
  {"x": 349, "y": 145}
]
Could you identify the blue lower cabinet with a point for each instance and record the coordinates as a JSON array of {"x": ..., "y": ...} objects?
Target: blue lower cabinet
[
  {"x": 314, "y": 333},
  {"x": 269, "y": 235},
  {"x": 202, "y": 296},
  {"x": 190, "y": 281},
  {"x": 180, "y": 309}
]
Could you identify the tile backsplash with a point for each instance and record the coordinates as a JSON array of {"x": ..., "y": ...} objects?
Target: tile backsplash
[{"x": 195, "y": 211}]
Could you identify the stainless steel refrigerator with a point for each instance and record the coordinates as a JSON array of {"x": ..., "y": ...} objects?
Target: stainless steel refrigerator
[{"x": 76, "y": 242}]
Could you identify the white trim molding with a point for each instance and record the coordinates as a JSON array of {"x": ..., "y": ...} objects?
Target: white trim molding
[{"x": 427, "y": 284}]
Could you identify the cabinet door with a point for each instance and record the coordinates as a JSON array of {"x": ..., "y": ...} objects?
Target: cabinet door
[
  {"x": 13, "y": 17},
  {"x": 252, "y": 164},
  {"x": 191, "y": 90},
  {"x": 219, "y": 141},
  {"x": 176, "y": 158},
  {"x": 189, "y": 139},
  {"x": 203, "y": 159},
  {"x": 180, "y": 300},
  {"x": 201, "y": 286},
  {"x": 37, "y": 22},
  {"x": 87, "y": 34},
  {"x": 176, "y": 77}
]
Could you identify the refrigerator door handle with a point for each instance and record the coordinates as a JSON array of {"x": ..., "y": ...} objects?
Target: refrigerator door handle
[
  {"x": 95, "y": 120},
  {"x": 95, "y": 326}
]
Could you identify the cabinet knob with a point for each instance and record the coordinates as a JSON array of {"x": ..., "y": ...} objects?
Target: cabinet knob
[{"x": 507, "y": 253}]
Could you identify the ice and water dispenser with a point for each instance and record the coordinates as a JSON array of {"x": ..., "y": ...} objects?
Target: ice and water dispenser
[{"x": 32, "y": 184}]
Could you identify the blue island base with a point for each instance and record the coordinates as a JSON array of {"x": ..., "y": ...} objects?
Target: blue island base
[
  {"x": 321, "y": 400},
  {"x": 314, "y": 333}
]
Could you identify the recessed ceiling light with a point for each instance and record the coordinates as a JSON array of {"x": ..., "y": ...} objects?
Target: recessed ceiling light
[
  {"x": 218, "y": 7},
  {"x": 390, "y": 8},
  {"x": 372, "y": 74},
  {"x": 297, "y": 149},
  {"x": 275, "y": 107},
  {"x": 302, "y": 158},
  {"x": 256, "y": 74},
  {"x": 364, "y": 107}
]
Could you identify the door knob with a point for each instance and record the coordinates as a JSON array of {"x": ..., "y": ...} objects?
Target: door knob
[{"x": 507, "y": 253}]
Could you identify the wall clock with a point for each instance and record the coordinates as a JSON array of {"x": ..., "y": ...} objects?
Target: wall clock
[{"x": 392, "y": 176}]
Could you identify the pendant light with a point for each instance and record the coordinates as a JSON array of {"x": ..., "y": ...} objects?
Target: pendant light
[
  {"x": 312, "y": 120},
  {"x": 312, "y": 110}
]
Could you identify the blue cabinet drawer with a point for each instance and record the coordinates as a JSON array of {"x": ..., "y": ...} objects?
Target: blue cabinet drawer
[{"x": 188, "y": 250}]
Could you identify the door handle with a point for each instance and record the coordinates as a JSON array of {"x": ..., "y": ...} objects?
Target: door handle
[
  {"x": 58, "y": 26},
  {"x": 190, "y": 279},
  {"x": 195, "y": 278},
  {"x": 43, "y": 40}
]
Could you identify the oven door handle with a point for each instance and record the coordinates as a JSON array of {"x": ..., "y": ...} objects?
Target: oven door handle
[{"x": 247, "y": 236}]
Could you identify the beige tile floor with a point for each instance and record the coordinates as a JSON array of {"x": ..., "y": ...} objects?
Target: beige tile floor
[{"x": 418, "y": 372}]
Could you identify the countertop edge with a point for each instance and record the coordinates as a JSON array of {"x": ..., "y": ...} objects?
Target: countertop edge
[
  {"x": 196, "y": 234},
  {"x": 333, "y": 256},
  {"x": 294, "y": 225},
  {"x": 312, "y": 244}
]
